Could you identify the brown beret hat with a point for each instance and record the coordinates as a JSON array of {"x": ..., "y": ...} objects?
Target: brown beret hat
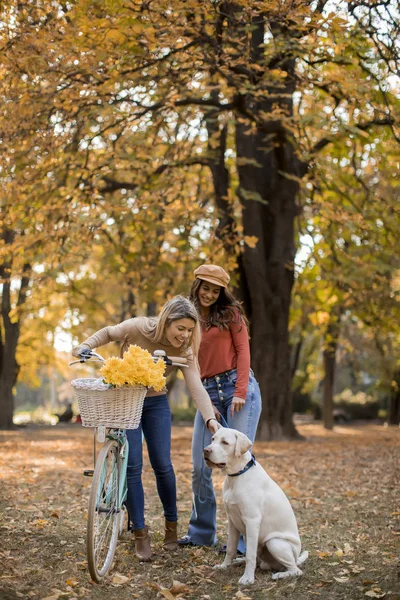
[{"x": 212, "y": 274}]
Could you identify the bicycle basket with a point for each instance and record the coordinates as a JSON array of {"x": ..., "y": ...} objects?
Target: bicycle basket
[{"x": 111, "y": 407}]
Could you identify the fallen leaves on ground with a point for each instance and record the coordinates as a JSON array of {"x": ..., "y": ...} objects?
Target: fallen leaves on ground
[{"x": 343, "y": 486}]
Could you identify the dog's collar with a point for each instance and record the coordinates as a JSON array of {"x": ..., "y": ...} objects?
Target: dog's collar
[{"x": 250, "y": 464}]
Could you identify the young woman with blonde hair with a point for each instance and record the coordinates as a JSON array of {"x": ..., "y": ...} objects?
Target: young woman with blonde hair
[{"x": 176, "y": 331}]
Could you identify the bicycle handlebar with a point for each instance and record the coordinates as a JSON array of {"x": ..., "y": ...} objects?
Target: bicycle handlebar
[
  {"x": 173, "y": 361},
  {"x": 86, "y": 356}
]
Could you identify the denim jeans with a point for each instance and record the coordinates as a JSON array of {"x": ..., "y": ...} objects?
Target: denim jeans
[
  {"x": 203, "y": 525},
  {"x": 156, "y": 427}
]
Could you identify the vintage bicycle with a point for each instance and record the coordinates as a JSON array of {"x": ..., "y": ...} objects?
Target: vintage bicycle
[{"x": 110, "y": 411}]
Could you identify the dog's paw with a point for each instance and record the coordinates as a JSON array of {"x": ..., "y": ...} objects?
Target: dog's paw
[
  {"x": 302, "y": 558},
  {"x": 284, "y": 574},
  {"x": 246, "y": 579},
  {"x": 221, "y": 566}
]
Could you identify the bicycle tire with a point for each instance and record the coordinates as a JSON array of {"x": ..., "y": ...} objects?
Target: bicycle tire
[{"x": 103, "y": 512}]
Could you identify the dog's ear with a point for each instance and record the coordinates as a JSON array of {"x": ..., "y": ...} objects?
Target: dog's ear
[{"x": 242, "y": 444}]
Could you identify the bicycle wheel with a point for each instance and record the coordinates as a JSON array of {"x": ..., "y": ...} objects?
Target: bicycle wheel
[{"x": 104, "y": 512}]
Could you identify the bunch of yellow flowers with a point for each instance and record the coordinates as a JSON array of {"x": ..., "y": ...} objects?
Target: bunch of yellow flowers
[{"x": 137, "y": 367}]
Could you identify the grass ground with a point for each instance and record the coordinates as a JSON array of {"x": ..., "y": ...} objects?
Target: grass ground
[{"x": 343, "y": 486}]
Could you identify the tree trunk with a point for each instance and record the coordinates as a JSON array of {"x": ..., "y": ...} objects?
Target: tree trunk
[
  {"x": 268, "y": 273},
  {"x": 217, "y": 136},
  {"x": 128, "y": 305},
  {"x": 329, "y": 359},
  {"x": 6, "y": 403},
  {"x": 9, "y": 337},
  {"x": 269, "y": 172},
  {"x": 295, "y": 352},
  {"x": 8, "y": 377},
  {"x": 53, "y": 389},
  {"x": 394, "y": 408},
  {"x": 394, "y": 402},
  {"x": 151, "y": 309}
]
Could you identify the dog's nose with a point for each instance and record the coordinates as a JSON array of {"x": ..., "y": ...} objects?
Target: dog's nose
[{"x": 207, "y": 452}]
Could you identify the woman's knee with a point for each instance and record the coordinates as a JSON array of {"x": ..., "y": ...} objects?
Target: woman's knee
[
  {"x": 162, "y": 469},
  {"x": 134, "y": 472},
  {"x": 201, "y": 475}
]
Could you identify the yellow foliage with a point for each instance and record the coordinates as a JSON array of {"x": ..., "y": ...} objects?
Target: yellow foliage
[
  {"x": 319, "y": 318},
  {"x": 250, "y": 240}
]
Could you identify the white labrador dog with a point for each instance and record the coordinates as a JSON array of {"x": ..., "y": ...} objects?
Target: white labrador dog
[{"x": 256, "y": 507}]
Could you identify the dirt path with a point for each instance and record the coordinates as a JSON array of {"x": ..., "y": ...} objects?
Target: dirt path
[{"x": 342, "y": 486}]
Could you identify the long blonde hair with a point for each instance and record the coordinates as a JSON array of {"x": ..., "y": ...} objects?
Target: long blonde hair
[{"x": 177, "y": 308}]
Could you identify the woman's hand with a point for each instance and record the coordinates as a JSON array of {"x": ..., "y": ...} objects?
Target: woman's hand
[
  {"x": 237, "y": 404},
  {"x": 79, "y": 349},
  {"x": 213, "y": 425},
  {"x": 217, "y": 413}
]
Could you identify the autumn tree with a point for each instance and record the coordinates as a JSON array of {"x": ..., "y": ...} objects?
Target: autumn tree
[
  {"x": 147, "y": 96},
  {"x": 355, "y": 253},
  {"x": 33, "y": 248}
]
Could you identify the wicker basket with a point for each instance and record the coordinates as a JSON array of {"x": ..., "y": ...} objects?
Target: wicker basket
[{"x": 111, "y": 407}]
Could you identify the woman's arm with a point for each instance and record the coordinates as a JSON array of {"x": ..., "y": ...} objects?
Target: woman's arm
[
  {"x": 240, "y": 339},
  {"x": 199, "y": 394},
  {"x": 113, "y": 333}
]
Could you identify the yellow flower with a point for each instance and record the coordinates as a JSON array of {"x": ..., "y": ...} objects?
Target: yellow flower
[
  {"x": 135, "y": 368},
  {"x": 111, "y": 370}
]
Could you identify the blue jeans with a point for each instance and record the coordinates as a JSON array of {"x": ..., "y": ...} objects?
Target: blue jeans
[
  {"x": 203, "y": 522},
  {"x": 156, "y": 427}
]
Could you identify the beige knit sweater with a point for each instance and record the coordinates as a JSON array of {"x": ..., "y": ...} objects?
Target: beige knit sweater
[{"x": 136, "y": 331}]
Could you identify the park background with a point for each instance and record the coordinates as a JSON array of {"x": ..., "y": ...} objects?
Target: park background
[{"x": 140, "y": 139}]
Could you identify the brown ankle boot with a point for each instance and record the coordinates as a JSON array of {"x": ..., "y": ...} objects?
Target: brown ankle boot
[
  {"x": 171, "y": 536},
  {"x": 142, "y": 543}
]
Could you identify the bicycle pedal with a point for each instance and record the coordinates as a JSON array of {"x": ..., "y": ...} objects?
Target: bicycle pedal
[{"x": 88, "y": 472}]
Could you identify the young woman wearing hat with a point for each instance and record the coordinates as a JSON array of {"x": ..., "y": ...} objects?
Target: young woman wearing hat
[
  {"x": 176, "y": 331},
  {"x": 224, "y": 359}
]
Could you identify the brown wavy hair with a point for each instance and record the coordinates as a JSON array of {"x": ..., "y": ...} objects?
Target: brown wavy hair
[{"x": 225, "y": 311}]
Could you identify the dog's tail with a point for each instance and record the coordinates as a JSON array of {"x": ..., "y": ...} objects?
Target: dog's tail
[{"x": 302, "y": 558}]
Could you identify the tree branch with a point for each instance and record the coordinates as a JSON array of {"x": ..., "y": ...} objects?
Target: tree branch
[
  {"x": 114, "y": 185},
  {"x": 384, "y": 121}
]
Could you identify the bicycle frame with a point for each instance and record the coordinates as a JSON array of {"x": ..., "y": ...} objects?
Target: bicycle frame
[{"x": 119, "y": 436}]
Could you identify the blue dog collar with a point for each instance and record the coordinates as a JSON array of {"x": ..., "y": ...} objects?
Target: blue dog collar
[{"x": 250, "y": 464}]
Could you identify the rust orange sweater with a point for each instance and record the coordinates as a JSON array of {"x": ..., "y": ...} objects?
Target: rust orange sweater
[{"x": 225, "y": 349}]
